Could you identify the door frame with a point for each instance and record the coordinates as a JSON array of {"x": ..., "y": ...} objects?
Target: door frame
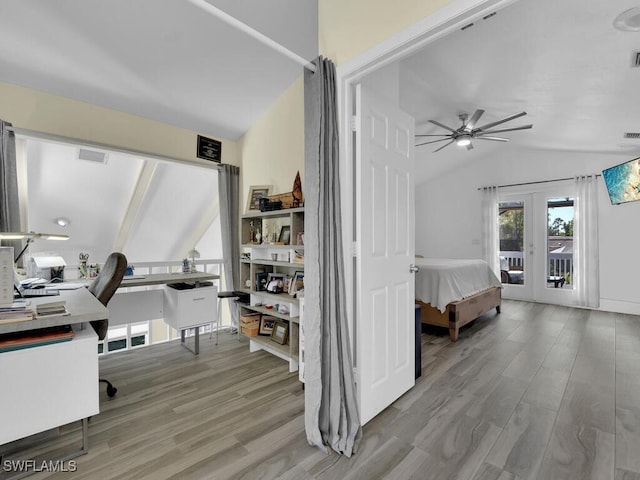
[
  {"x": 450, "y": 18},
  {"x": 535, "y": 243}
]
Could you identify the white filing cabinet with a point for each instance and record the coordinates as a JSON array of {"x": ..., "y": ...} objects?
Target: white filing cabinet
[{"x": 190, "y": 308}]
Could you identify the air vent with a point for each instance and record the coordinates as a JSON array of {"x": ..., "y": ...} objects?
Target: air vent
[
  {"x": 92, "y": 156},
  {"x": 635, "y": 60},
  {"x": 635, "y": 135},
  {"x": 467, "y": 26},
  {"x": 486, "y": 17}
]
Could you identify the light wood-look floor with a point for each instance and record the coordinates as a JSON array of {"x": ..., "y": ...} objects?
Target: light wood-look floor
[{"x": 537, "y": 392}]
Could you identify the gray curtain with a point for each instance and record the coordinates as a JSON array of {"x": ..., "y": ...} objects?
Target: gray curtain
[
  {"x": 331, "y": 409},
  {"x": 9, "y": 201},
  {"x": 228, "y": 189}
]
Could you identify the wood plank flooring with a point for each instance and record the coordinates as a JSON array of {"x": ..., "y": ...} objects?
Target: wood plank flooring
[{"x": 537, "y": 392}]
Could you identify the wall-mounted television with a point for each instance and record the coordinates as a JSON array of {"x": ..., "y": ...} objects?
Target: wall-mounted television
[{"x": 623, "y": 182}]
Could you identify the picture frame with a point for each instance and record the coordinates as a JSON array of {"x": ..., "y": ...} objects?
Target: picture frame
[
  {"x": 266, "y": 325},
  {"x": 275, "y": 282},
  {"x": 280, "y": 332},
  {"x": 261, "y": 281},
  {"x": 285, "y": 235},
  {"x": 256, "y": 192},
  {"x": 297, "y": 283}
]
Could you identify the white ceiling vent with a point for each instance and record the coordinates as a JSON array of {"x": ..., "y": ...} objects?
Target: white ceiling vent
[
  {"x": 634, "y": 135},
  {"x": 92, "y": 156}
]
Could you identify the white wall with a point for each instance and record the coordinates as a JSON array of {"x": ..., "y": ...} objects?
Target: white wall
[{"x": 448, "y": 214}]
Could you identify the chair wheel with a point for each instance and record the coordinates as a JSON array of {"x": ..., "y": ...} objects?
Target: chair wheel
[{"x": 111, "y": 391}]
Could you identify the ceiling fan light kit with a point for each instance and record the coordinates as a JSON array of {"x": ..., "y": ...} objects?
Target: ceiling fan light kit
[
  {"x": 468, "y": 131},
  {"x": 463, "y": 140}
]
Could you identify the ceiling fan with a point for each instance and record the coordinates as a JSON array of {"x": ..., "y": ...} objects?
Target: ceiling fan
[{"x": 463, "y": 135}]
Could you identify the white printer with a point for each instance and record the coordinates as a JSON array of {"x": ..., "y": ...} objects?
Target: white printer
[{"x": 47, "y": 267}]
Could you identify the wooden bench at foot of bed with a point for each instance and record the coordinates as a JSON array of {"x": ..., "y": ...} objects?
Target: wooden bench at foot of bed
[{"x": 461, "y": 312}]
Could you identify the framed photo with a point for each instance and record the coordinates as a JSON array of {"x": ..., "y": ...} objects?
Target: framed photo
[
  {"x": 280, "y": 332},
  {"x": 256, "y": 192},
  {"x": 261, "y": 281},
  {"x": 275, "y": 282},
  {"x": 285, "y": 235},
  {"x": 297, "y": 283},
  {"x": 266, "y": 325}
]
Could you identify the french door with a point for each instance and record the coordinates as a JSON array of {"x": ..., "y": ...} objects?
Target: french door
[{"x": 536, "y": 245}]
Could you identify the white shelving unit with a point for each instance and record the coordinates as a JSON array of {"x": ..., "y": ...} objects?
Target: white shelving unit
[{"x": 269, "y": 252}]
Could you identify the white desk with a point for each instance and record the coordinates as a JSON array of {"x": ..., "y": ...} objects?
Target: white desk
[
  {"x": 181, "y": 309},
  {"x": 51, "y": 385}
]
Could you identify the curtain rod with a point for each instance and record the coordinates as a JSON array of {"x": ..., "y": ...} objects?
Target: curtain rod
[
  {"x": 542, "y": 181},
  {"x": 243, "y": 27},
  {"x": 23, "y": 132}
]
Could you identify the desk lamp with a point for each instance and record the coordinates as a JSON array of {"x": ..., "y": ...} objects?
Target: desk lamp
[
  {"x": 30, "y": 236},
  {"x": 193, "y": 255}
]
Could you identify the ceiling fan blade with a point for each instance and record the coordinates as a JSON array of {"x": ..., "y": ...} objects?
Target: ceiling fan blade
[
  {"x": 445, "y": 145},
  {"x": 442, "y": 126},
  {"x": 433, "y": 135},
  {"x": 493, "y": 124},
  {"x": 484, "y": 132},
  {"x": 433, "y": 141},
  {"x": 473, "y": 120},
  {"x": 495, "y": 139}
]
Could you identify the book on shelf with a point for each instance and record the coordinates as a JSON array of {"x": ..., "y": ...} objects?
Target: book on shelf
[
  {"x": 298, "y": 257},
  {"x": 35, "y": 338}
]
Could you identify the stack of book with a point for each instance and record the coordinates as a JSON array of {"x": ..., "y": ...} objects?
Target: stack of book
[
  {"x": 51, "y": 308},
  {"x": 18, "y": 312},
  {"x": 35, "y": 338}
]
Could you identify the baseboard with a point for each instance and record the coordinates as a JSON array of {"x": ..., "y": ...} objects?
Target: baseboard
[{"x": 619, "y": 306}]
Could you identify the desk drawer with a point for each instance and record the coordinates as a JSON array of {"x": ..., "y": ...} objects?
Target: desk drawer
[{"x": 190, "y": 308}]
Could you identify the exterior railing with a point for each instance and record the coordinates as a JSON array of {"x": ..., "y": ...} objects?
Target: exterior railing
[{"x": 558, "y": 264}]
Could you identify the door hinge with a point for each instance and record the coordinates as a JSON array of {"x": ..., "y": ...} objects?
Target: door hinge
[
  {"x": 355, "y": 375},
  {"x": 354, "y": 123},
  {"x": 354, "y": 249}
]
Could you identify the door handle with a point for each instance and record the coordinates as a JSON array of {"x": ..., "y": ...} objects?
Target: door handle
[{"x": 413, "y": 268}]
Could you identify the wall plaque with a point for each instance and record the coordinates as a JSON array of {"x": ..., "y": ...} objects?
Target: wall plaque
[{"x": 209, "y": 149}]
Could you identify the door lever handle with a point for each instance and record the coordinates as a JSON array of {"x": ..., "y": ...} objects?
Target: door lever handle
[{"x": 413, "y": 268}]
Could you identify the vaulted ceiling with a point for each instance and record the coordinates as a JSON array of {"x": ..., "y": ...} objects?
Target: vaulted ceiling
[
  {"x": 562, "y": 62},
  {"x": 166, "y": 60}
]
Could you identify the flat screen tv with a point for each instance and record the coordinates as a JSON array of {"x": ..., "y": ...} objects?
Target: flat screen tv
[{"x": 623, "y": 182}]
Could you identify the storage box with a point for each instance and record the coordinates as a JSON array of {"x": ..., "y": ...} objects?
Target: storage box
[{"x": 249, "y": 324}]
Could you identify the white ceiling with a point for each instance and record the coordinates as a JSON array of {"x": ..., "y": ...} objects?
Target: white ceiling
[
  {"x": 165, "y": 60},
  {"x": 562, "y": 62},
  {"x": 150, "y": 210}
]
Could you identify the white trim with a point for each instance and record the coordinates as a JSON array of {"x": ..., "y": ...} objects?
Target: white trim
[
  {"x": 452, "y": 16},
  {"x": 36, "y": 135},
  {"x": 243, "y": 27},
  {"x": 618, "y": 306}
]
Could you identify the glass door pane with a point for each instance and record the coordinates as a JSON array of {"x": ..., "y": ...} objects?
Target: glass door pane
[
  {"x": 512, "y": 259},
  {"x": 560, "y": 243}
]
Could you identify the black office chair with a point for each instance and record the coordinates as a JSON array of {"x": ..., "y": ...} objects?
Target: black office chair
[{"x": 103, "y": 288}]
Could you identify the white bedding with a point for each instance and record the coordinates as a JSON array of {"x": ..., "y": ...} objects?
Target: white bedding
[{"x": 443, "y": 280}]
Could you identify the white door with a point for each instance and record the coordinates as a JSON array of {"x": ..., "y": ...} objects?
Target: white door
[
  {"x": 536, "y": 242},
  {"x": 385, "y": 251}
]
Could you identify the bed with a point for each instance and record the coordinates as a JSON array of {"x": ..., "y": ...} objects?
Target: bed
[{"x": 452, "y": 293}]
